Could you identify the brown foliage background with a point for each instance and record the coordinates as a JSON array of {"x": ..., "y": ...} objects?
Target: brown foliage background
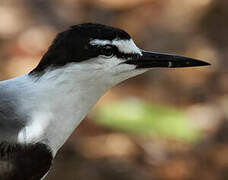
[{"x": 195, "y": 28}]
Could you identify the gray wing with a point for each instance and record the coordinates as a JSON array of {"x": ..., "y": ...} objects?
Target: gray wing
[
  {"x": 18, "y": 161},
  {"x": 11, "y": 121}
]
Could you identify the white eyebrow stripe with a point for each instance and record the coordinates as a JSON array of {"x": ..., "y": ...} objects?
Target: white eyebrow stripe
[
  {"x": 100, "y": 42},
  {"x": 127, "y": 46},
  {"x": 124, "y": 46}
]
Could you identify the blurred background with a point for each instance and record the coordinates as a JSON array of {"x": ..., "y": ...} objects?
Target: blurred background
[{"x": 168, "y": 124}]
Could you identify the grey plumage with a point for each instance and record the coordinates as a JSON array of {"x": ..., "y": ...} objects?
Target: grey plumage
[{"x": 11, "y": 121}]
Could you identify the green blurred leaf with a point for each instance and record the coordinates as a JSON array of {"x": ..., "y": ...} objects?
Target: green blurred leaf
[{"x": 141, "y": 118}]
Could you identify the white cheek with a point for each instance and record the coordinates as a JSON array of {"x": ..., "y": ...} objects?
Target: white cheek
[
  {"x": 111, "y": 63},
  {"x": 115, "y": 66},
  {"x": 124, "y": 68},
  {"x": 114, "y": 72}
]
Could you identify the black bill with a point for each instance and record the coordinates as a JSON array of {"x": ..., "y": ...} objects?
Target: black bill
[{"x": 152, "y": 60}]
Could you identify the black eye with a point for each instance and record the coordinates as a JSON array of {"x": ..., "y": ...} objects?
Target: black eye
[{"x": 107, "y": 51}]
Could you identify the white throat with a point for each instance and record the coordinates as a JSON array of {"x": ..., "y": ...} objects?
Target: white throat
[{"x": 60, "y": 99}]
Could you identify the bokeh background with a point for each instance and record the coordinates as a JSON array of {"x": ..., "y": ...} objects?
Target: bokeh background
[{"x": 167, "y": 124}]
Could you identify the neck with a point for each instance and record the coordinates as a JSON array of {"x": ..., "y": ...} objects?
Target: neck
[{"x": 61, "y": 99}]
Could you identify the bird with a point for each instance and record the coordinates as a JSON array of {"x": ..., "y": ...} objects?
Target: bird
[{"x": 40, "y": 110}]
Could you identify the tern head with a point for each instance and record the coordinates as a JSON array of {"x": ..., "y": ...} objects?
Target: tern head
[{"x": 104, "y": 54}]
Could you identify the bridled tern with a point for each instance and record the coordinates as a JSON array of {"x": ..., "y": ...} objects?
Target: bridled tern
[{"x": 40, "y": 110}]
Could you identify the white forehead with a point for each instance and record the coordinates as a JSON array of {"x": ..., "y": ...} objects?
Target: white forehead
[{"x": 124, "y": 46}]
